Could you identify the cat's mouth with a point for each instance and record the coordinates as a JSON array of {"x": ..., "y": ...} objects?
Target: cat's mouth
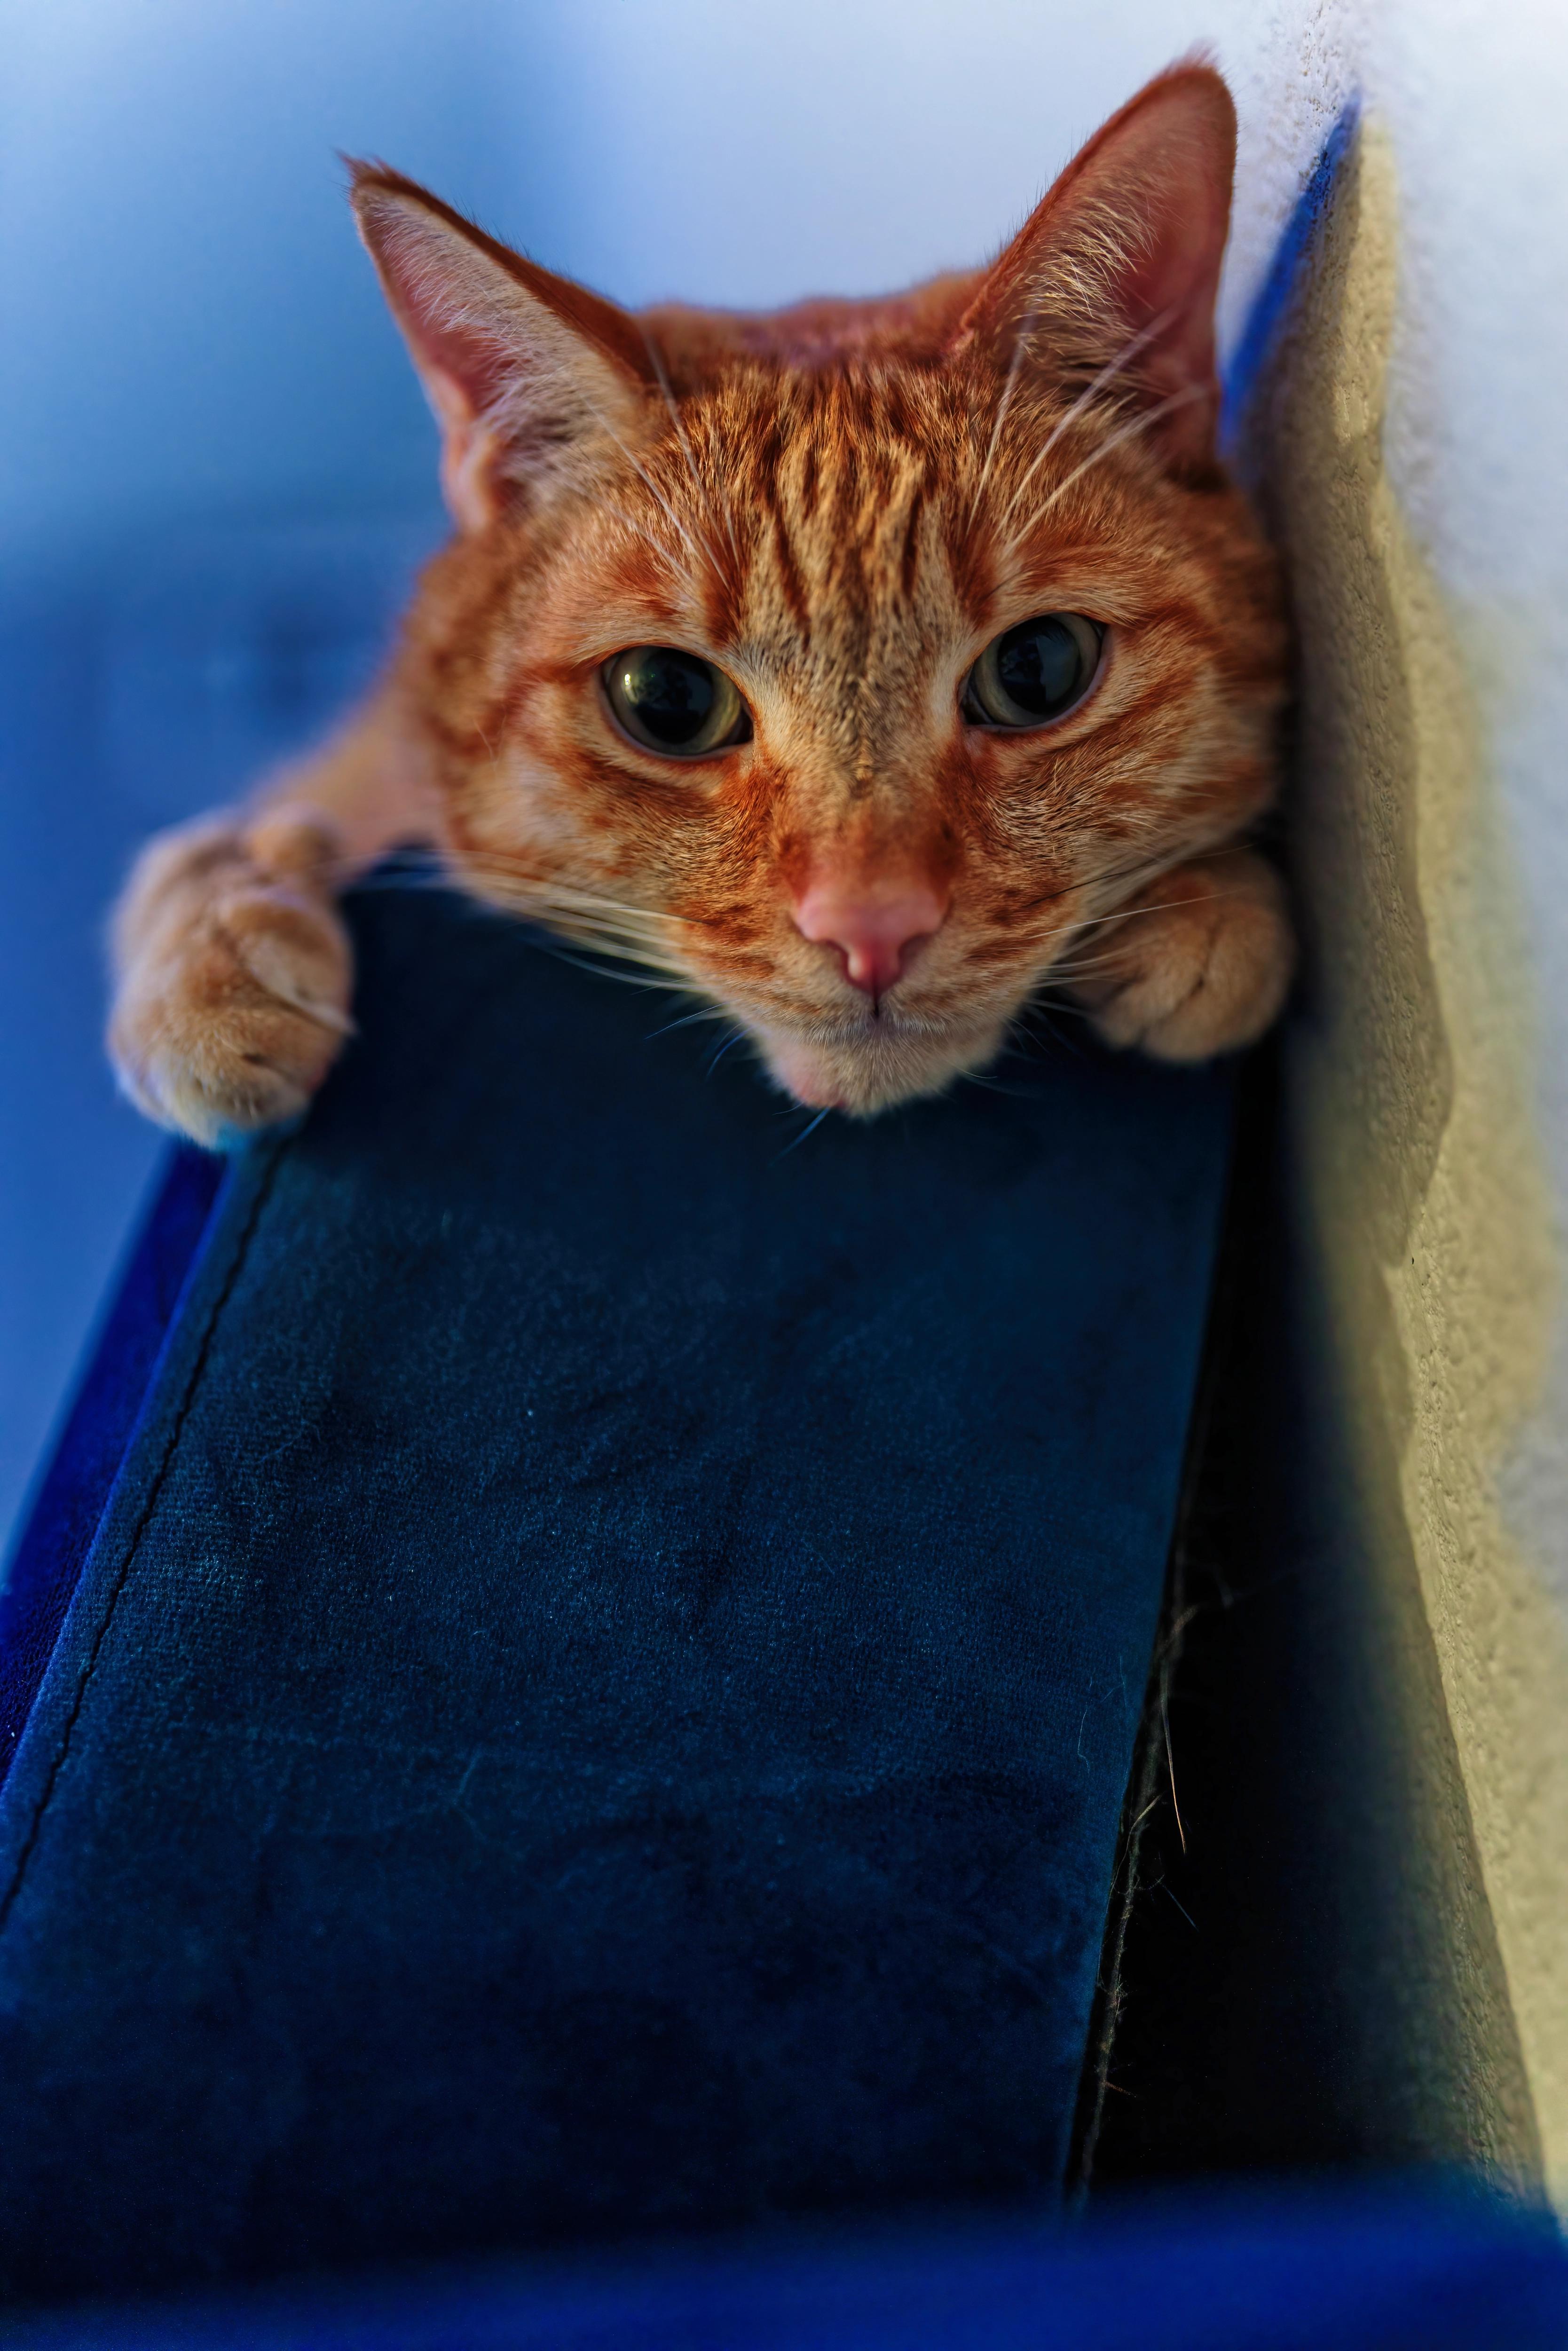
[{"x": 875, "y": 1065}]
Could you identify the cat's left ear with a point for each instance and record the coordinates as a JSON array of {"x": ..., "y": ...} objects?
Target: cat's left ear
[
  {"x": 1116, "y": 270},
  {"x": 527, "y": 372}
]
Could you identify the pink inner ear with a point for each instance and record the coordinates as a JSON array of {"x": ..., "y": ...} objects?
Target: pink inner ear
[
  {"x": 464, "y": 374},
  {"x": 1178, "y": 280},
  {"x": 1178, "y": 190},
  {"x": 451, "y": 328},
  {"x": 470, "y": 456},
  {"x": 461, "y": 370}
]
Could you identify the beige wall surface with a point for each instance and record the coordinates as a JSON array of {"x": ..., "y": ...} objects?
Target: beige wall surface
[{"x": 1409, "y": 454}]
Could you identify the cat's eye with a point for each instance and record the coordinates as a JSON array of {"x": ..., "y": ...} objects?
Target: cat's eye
[
  {"x": 673, "y": 702},
  {"x": 1033, "y": 673}
]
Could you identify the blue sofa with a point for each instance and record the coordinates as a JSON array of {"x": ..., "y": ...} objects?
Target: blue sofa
[{"x": 600, "y": 1690}]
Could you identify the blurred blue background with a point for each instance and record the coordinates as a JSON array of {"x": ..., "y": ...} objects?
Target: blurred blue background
[{"x": 217, "y": 474}]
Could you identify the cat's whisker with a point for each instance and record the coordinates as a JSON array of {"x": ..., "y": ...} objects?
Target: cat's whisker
[
  {"x": 1113, "y": 367},
  {"x": 519, "y": 894},
  {"x": 657, "y": 364},
  {"x": 1138, "y": 871},
  {"x": 694, "y": 547},
  {"x": 600, "y": 933},
  {"x": 1058, "y": 1032},
  {"x": 583, "y": 902},
  {"x": 804, "y": 1134},
  {"x": 559, "y": 943},
  {"x": 1068, "y": 971},
  {"x": 1135, "y": 872},
  {"x": 1037, "y": 1023},
  {"x": 690, "y": 1019},
  {"x": 1150, "y": 416},
  {"x": 1134, "y": 914},
  {"x": 640, "y": 530},
  {"x": 567, "y": 895},
  {"x": 609, "y": 433},
  {"x": 1101, "y": 922},
  {"x": 1021, "y": 344},
  {"x": 1072, "y": 967}
]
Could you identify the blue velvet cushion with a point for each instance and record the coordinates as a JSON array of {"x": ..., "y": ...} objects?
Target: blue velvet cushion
[{"x": 602, "y": 1692}]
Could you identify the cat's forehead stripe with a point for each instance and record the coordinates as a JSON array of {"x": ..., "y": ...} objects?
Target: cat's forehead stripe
[
  {"x": 846, "y": 482},
  {"x": 834, "y": 482}
]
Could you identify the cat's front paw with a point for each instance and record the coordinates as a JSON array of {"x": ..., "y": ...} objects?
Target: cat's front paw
[
  {"x": 1198, "y": 963},
  {"x": 233, "y": 976}
]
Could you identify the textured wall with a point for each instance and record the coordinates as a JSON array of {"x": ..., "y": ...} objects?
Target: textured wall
[{"x": 1413, "y": 464}]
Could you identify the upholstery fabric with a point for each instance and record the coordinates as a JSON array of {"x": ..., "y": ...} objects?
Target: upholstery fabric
[
  {"x": 58, "y": 1533},
  {"x": 600, "y": 1698}
]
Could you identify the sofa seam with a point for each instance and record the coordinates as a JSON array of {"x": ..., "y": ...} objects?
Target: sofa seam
[
  {"x": 34, "y": 1829},
  {"x": 1144, "y": 1795}
]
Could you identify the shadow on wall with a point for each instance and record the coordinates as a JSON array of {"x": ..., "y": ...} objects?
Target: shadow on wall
[
  {"x": 1426, "y": 1266},
  {"x": 1352, "y": 1936}
]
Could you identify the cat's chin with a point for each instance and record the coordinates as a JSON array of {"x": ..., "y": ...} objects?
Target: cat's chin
[{"x": 876, "y": 1071}]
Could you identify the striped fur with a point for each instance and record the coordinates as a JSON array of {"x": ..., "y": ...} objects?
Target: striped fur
[{"x": 841, "y": 505}]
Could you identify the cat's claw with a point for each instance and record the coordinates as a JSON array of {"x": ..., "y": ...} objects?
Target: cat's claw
[
  {"x": 1198, "y": 964},
  {"x": 234, "y": 975}
]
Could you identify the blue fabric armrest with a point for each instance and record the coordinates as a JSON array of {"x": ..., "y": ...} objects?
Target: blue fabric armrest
[
  {"x": 57, "y": 1532},
  {"x": 602, "y": 1691}
]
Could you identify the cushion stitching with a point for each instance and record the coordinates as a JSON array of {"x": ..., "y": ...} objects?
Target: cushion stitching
[{"x": 7, "y": 1902}]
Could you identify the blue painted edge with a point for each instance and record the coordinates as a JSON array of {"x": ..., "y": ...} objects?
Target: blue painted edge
[
  {"x": 1384, "y": 2264},
  {"x": 57, "y": 1532},
  {"x": 1272, "y": 301}
]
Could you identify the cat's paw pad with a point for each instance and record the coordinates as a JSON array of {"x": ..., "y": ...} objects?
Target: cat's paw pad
[
  {"x": 1198, "y": 965},
  {"x": 234, "y": 976}
]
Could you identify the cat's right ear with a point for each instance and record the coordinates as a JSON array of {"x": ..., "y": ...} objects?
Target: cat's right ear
[{"x": 525, "y": 370}]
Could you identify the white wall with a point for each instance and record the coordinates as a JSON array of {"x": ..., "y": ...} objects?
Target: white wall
[
  {"x": 190, "y": 326},
  {"x": 190, "y": 323}
]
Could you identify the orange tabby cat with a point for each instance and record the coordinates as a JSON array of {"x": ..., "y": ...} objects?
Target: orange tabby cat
[{"x": 860, "y": 667}]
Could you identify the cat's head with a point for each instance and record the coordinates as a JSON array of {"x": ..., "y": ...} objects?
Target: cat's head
[{"x": 848, "y": 664}]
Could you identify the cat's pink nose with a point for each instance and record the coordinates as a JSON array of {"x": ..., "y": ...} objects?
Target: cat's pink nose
[{"x": 873, "y": 926}]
